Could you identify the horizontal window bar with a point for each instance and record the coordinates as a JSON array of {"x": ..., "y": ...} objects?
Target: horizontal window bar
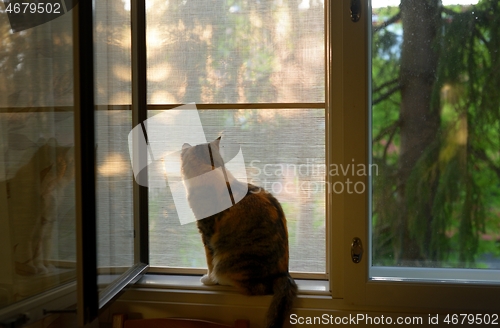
[
  {"x": 450, "y": 275},
  {"x": 36, "y": 109},
  {"x": 220, "y": 106},
  {"x": 244, "y": 106},
  {"x": 164, "y": 107},
  {"x": 198, "y": 271}
]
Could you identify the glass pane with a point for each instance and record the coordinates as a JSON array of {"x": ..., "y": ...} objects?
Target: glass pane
[
  {"x": 37, "y": 190},
  {"x": 235, "y": 51},
  {"x": 436, "y": 140},
  {"x": 284, "y": 152},
  {"x": 115, "y": 224},
  {"x": 112, "y": 47}
]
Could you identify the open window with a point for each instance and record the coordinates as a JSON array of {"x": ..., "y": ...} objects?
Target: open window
[
  {"x": 316, "y": 97},
  {"x": 37, "y": 163}
]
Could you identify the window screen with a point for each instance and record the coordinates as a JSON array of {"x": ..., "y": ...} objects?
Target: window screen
[{"x": 245, "y": 52}]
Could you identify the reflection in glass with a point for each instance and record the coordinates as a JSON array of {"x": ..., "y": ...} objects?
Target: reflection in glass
[
  {"x": 436, "y": 136},
  {"x": 37, "y": 191}
]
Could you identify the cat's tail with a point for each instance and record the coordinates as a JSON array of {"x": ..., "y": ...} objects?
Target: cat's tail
[{"x": 285, "y": 291}]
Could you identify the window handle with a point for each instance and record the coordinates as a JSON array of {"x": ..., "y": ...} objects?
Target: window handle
[
  {"x": 356, "y": 250},
  {"x": 355, "y": 10}
]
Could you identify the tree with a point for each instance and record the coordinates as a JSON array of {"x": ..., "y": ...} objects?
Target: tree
[{"x": 439, "y": 140}]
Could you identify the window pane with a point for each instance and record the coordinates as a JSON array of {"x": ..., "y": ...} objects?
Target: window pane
[
  {"x": 284, "y": 152},
  {"x": 235, "y": 51},
  {"x": 115, "y": 224},
  {"x": 436, "y": 140},
  {"x": 112, "y": 48},
  {"x": 37, "y": 190}
]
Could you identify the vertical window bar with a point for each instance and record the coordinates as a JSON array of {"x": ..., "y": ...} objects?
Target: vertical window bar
[
  {"x": 139, "y": 115},
  {"x": 335, "y": 16},
  {"x": 85, "y": 175}
]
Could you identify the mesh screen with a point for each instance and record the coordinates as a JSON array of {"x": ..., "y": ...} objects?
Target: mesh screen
[
  {"x": 284, "y": 152},
  {"x": 235, "y": 51}
]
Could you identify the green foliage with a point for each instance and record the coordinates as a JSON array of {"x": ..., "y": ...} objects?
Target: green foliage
[{"x": 452, "y": 194}]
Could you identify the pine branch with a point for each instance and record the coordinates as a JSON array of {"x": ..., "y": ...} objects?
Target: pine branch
[
  {"x": 481, "y": 154},
  {"x": 385, "y": 84},
  {"x": 448, "y": 11},
  {"x": 481, "y": 37},
  {"x": 388, "y": 22},
  {"x": 391, "y": 130},
  {"x": 387, "y": 94}
]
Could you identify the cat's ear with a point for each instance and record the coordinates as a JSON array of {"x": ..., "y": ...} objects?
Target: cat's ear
[
  {"x": 186, "y": 146},
  {"x": 217, "y": 141},
  {"x": 44, "y": 172}
]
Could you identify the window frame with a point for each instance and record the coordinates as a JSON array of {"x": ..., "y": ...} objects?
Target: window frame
[
  {"x": 92, "y": 299},
  {"x": 350, "y": 289},
  {"x": 348, "y": 124},
  {"x": 333, "y": 276},
  {"x": 390, "y": 293}
]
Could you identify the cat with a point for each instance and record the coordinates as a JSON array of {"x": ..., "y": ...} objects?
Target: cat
[
  {"x": 33, "y": 198},
  {"x": 246, "y": 245}
]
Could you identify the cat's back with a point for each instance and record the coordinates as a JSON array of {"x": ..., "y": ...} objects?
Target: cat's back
[
  {"x": 257, "y": 209},
  {"x": 260, "y": 208},
  {"x": 251, "y": 234}
]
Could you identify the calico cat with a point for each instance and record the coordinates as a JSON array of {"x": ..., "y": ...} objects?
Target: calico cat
[
  {"x": 246, "y": 245},
  {"x": 34, "y": 195}
]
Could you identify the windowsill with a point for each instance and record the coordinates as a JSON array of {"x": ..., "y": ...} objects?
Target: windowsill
[
  {"x": 187, "y": 297},
  {"x": 192, "y": 282}
]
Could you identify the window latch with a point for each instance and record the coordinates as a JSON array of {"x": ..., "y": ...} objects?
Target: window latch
[
  {"x": 355, "y": 10},
  {"x": 356, "y": 250}
]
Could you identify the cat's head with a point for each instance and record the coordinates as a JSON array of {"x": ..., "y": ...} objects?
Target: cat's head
[{"x": 200, "y": 159}]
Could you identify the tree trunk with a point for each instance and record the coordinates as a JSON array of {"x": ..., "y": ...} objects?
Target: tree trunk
[{"x": 419, "y": 110}]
